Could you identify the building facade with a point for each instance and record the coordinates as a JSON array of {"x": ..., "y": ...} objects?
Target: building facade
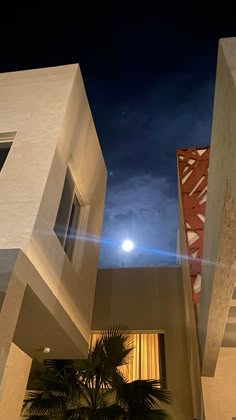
[
  {"x": 52, "y": 297},
  {"x": 205, "y": 303},
  {"x": 53, "y": 176},
  {"x": 217, "y": 323},
  {"x": 208, "y": 249},
  {"x": 150, "y": 299}
]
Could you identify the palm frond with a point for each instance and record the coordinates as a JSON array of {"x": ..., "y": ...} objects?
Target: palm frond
[
  {"x": 44, "y": 403},
  {"x": 80, "y": 413},
  {"x": 95, "y": 387},
  {"x": 108, "y": 353},
  {"x": 143, "y": 394},
  {"x": 118, "y": 343},
  {"x": 112, "y": 412},
  {"x": 56, "y": 376},
  {"x": 58, "y": 365}
]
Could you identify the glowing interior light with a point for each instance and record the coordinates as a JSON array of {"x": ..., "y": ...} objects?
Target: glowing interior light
[{"x": 127, "y": 245}]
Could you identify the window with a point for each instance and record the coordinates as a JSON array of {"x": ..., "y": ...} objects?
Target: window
[
  {"x": 147, "y": 359},
  {"x": 68, "y": 216},
  {"x": 5, "y": 145}
]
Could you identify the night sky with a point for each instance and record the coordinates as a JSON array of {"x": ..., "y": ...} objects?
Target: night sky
[{"x": 149, "y": 76}]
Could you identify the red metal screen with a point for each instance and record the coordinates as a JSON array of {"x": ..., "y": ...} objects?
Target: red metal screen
[{"x": 193, "y": 166}]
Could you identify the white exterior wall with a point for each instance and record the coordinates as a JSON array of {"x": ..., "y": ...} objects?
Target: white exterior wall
[{"x": 48, "y": 110}]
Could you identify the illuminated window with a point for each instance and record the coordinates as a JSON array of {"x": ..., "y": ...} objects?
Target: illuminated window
[
  {"x": 66, "y": 225},
  {"x": 147, "y": 359},
  {"x": 6, "y": 140}
]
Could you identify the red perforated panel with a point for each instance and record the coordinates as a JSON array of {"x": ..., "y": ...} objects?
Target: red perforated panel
[{"x": 193, "y": 166}]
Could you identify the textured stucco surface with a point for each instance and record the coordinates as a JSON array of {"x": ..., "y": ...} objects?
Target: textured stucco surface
[
  {"x": 15, "y": 381},
  {"x": 49, "y": 111},
  {"x": 33, "y": 104},
  {"x": 150, "y": 299},
  {"x": 219, "y": 391},
  {"x": 219, "y": 235}
]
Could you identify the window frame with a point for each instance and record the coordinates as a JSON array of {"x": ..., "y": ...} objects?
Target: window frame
[
  {"x": 75, "y": 196},
  {"x": 6, "y": 141}
]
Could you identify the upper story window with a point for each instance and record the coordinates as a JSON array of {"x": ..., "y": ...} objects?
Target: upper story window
[
  {"x": 147, "y": 359},
  {"x": 66, "y": 225},
  {"x": 6, "y": 140}
]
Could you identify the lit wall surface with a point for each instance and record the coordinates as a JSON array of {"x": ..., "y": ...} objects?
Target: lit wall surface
[
  {"x": 150, "y": 299},
  {"x": 46, "y": 300}
]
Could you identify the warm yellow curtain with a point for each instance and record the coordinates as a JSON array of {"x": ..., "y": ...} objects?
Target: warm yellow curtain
[
  {"x": 149, "y": 356},
  {"x": 93, "y": 339},
  {"x": 143, "y": 360},
  {"x": 131, "y": 369}
]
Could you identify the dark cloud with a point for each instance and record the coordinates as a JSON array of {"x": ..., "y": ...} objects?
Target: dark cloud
[
  {"x": 142, "y": 209},
  {"x": 141, "y": 198}
]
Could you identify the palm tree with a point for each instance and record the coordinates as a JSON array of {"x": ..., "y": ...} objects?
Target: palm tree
[
  {"x": 95, "y": 388},
  {"x": 141, "y": 398}
]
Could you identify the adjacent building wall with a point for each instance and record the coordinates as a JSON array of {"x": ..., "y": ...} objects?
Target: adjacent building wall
[
  {"x": 150, "y": 298},
  {"x": 219, "y": 391},
  {"x": 219, "y": 251},
  {"x": 190, "y": 314}
]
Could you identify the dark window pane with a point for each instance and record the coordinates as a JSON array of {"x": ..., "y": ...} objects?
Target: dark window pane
[
  {"x": 162, "y": 359},
  {"x": 64, "y": 210},
  {"x": 4, "y": 150},
  {"x": 72, "y": 228}
]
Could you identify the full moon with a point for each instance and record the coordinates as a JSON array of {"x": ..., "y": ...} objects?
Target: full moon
[{"x": 127, "y": 245}]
